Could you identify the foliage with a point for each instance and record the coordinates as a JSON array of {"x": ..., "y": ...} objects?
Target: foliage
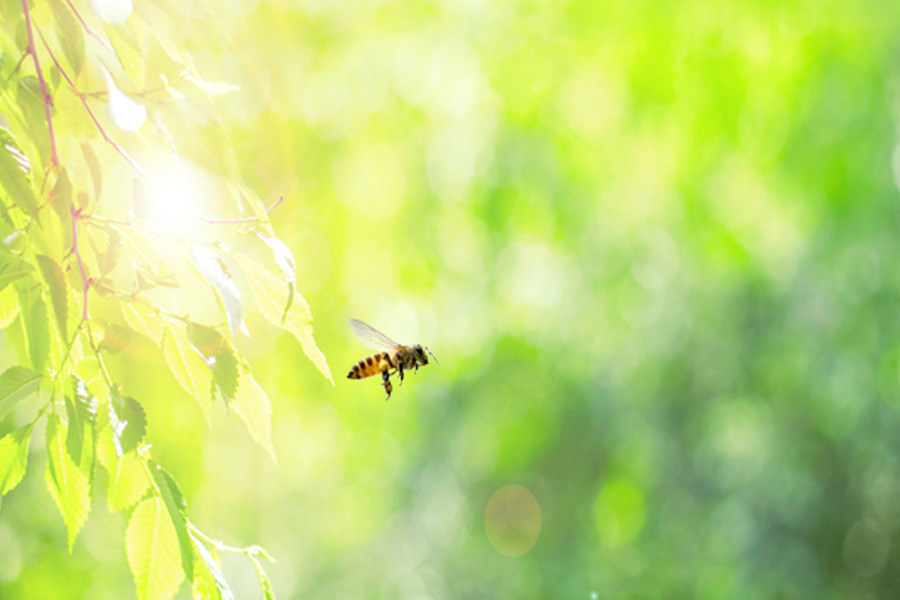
[
  {"x": 100, "y": 246},
  {"x": 651, "y": 245}
]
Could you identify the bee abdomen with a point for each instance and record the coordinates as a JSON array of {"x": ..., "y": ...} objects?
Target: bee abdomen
[{"x": 370, "y": 365}]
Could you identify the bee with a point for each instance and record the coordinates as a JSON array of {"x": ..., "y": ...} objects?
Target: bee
[{"x": 393, "y": 358}]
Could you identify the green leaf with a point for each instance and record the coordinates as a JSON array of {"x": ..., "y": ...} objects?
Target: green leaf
[
  {"x": 94, "y": 167},
  {"x": 9, "y": 306},
  {"x": 14, "y": 457},
  {"x": 152, "y": 547},
  {"x": 272, "y": 295},
  {"x": 12, "y": 268},
  {"x": 225, "y": 372},
  {"x": 109, "y": 258},
  {"x": 252, "y": 405},
  {"x": 36, "y": 320},
  {"x": 188, "y": 367},
  {"x": 264, "y": 583},
  {"x": 56, "y": 283},
  {"x": 81, "y": 410},
  {"x": 128, "y": 50},
  {"x": 143, "y": 320},
  {"x": 207, "y": 340},
  {"x": 70, "y": 35},
  {"x": 16, "y": 383},
  {"x": 214, "y": 270},
  {"x": 67, "y": 484},
  {"x": 208, "y": 579},
  {"x": 177, "y": 507},
  {"x": 128, "y": 480},
  {"x": 61, "y": 196},
  {"x": 128, "y": 422},
  {"x": 15, "y": 172},
  {"x": 219, "y": 356}
]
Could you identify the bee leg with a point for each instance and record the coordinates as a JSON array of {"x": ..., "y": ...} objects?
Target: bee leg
[
  {"x": 386, "y": 378},
  {"x": 400, "y": 370}
]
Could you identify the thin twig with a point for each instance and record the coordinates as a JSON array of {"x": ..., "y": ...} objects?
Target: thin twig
[
  {"x": 16, "y": 68},
  {"x": 86, "y": 282},
  {"x": 238, "y": 220},
  {"x": 69, "y": 347},
  {"x": 102, "y": 365},
  {"x": 48, "y": 101},
  {"x": 223, "y": 547},
  {"x": 88, "y": 30},
  {"x": 87, "y": 107}
]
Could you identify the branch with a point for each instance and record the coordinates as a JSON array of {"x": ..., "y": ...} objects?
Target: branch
[
  {"x": 238, "y": 220},
  {"x": 48, "y": 101},
  {"x": 87, "y": 107}
]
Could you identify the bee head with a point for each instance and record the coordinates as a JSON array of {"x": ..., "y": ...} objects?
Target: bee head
[{"x": 419, "y": 352}]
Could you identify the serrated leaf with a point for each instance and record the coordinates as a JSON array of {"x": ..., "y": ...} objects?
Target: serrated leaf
[
  {"x": 143, "y": 320},
  {"x": 12, "y": 268},
  {"x": 208, "y": 579},
  {"x": 213, "y": 268},
  {"x": 128, "y": 422},
  {"x": 253, "y": 407},
  {"x": 153, "y": 555},
  {"x": 94, "y": 167},
  {"x": 218, "y": 355},
  {"x": 67, "y": 484},
  {"x": 188, "y": 367},
  {"x": 14, "y": 457},
  {"x": 81, "y": 410},
  {"x": 225, "y": 372},
  {"x": 15, "y": 172},
  {"x": 61, "y": 195},
  {"x": 56, "y": 283},
  {"x": 16, "y": 383},
  {"x": 207, "y": 340},
  {"x": 284, "y": 258},
  {"x": 264, "y": 584},
  {"x": 128, "y": 480},
  {"x": 70, "y": 35},
  {"x": 271, "y": 295},
  {"x": 9, "y": 306},
  {"x": 36, "y": 320},
  {"x": 177, "y": 507},
  {"x": 128, "y": 50}
]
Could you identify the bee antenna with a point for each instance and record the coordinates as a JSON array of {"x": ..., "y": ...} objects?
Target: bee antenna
[{"x": 432, "y": 355}]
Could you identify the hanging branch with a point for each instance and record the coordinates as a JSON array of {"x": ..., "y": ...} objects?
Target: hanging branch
[
  {"x": 87, "y": 107},
  {"x": 48, "y": 101}
]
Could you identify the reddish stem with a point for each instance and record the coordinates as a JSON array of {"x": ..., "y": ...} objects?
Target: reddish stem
[
  {"x": 87, "y": 29},
  {"x": 87, "y": 107},
  {"x": 48, "y": 101}
]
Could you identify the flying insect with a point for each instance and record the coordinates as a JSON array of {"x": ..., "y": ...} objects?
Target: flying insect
[{"x": 392, "y": 358}]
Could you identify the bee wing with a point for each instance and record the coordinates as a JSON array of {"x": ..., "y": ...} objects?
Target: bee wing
[{"x": 371, "y": 337}]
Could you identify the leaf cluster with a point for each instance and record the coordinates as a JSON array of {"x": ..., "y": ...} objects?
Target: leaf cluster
[{"x": 91, "y": 257}]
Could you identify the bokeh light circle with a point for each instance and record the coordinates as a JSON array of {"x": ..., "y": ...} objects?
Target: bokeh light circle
[{"x": 512, "y": 520}]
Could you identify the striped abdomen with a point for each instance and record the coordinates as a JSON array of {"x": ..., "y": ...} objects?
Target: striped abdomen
[{"x": 371, "y": 365}]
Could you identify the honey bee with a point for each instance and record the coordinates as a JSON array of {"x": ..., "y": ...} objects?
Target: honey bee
[{"x": 393, "y": 358}]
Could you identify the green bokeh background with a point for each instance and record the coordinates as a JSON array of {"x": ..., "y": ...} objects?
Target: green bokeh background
[{"x": 654, "y": 247}]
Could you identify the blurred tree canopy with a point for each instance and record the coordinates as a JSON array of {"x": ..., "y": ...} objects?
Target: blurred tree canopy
[{"x": 651, "y": 246}]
